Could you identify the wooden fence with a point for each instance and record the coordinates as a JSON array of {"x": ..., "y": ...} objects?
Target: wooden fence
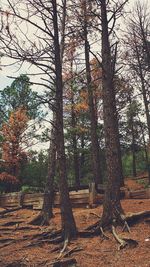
[
  {"x": 87, "y": 197},
  {"x": 35, "y": 200}
]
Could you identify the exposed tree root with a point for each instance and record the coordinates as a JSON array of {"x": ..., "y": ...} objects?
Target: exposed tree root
[
  {"x": 128, "y": 219},
  {"x": 98, "y": 230},
  {"x": 6, "y": 244},
  {"x": 93, "y": 227},
  {"x": 40, "y": 220},
  {"x": 87, "y": 234},
  {"x": 93, "y": 213},
  {"x": 66, "y": 242},
  {"x": 8, "y": 211},
  {"x": 18, "y": 228},
  {"x": 41, "y": 242},
  {"x": 47, "y": 235},
  {"x": 11, "y": 223},
  {"x": 72, "y": 250},
  {"x": 56, "y": 237},
  {"x": 53, "y": 237},
  {"x": 126, "y": 226},
  {"x": 104, "y": 236},
  {"x": 134, "y": 218},
  {"x": 25, "y": 228},
  {"x": 8, "y": 241},
  {"x": 121, "y": 241},
  {"x": 4, "y": 240},
  {"x": 69, "y": 251}
]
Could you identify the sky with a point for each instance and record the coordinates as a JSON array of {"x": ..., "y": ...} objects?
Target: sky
[{"x": 12, "y": 70}]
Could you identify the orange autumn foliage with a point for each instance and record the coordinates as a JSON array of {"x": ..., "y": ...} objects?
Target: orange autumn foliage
[
  {"x": 82, "y": 105},
  {"x": 8, "y": 178},
  {"x": 96, "y": 74},
  {"x": 13, "y": 137}
]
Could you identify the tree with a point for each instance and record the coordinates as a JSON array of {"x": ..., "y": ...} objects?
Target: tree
[
  {"x": 93, "y": 118},
  {"x": 45, "y": 53},
  {"x": 19, "y": 94},
  {"x": 138, "y": 54},
  {"x": 8, "y": 182},
  {"x": 68, "y": 223},
  {"x": 14, "y": 99},
  {"x": 83, "y": 30},
  {"x": 70, "y": 94},
  {"x": 112, "y": 209},
  {"x": 13, "y": 138},
  {"x": 33, "y": 172}
]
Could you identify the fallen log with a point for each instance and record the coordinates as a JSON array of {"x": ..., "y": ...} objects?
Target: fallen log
[{"x": 133, "y": 218}]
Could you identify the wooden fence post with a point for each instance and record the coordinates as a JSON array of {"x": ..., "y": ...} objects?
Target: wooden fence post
[
  {"x": 92, "y": 195},
  {"x": 127, "y": 193},
  {"x": 21, "y": 199}
]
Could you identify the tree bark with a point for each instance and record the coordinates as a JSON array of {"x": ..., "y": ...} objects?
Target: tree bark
[
  {"x": 68, "y": 223},
  {"x": 112, "y": 207},
  {"x": 142, "y": 17},
  {"x": 146, "y": 103}
]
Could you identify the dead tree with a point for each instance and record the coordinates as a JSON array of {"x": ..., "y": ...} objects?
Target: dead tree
[
  {"x": 138, "y": 55},
  {"x": 68, "y": 223},
  {"x": 44, "y": 52},
  {"x": 112, "y": 210},
  {"x": 49, "y": 193}
]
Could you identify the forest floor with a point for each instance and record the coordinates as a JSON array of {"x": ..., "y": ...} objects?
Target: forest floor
[{"x": 20, "y": 246}]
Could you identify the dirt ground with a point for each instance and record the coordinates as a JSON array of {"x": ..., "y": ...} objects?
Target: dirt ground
[{"x": 17, "y": 246}]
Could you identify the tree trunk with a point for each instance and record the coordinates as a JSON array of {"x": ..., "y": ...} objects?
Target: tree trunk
[
  {"x": 134, "y": 173},
  {"x": 95, "y": 155},
  {"x": 146, "y": 153},
  {"x": 112, "y": 207},
  {"x": 68, "y": 222},
  {"x": 144, "y": 37},
  {"x": 146, "y": 103},
  {"x": 82, "y": 158},
  {"x": 74, "y": 144},
  {"x": 49, "y": 190}
]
